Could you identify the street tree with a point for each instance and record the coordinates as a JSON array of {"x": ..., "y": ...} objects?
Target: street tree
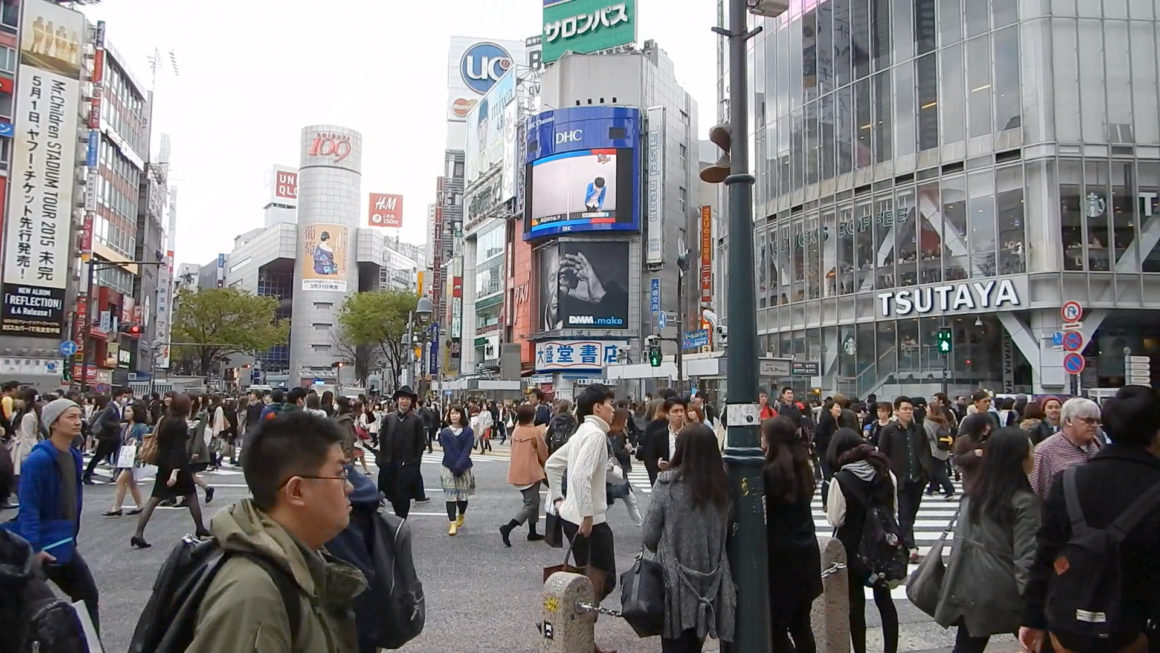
[
  {"x": 379, "y": 320},
  {"x": 212, "y": 324}
]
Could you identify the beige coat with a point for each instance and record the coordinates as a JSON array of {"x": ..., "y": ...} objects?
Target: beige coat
[{"x": 529, "y": 451}]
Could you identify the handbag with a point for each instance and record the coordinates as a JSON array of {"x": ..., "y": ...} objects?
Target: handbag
[
  {"x": 642, "y": 596},
  {"x": 566, "y": 568},
  {"x": 126, "y": 456},
  {"x": 553, "y": 529},
  {"x": 925, "y": 583}
]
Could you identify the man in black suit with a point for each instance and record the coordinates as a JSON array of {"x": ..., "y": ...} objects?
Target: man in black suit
[{"x": 661, "y": 436}]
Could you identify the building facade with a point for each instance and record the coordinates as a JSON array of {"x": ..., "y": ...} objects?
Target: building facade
[{"x": 970, "y": 165}]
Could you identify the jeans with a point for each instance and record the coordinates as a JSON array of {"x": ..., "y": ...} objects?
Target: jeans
[
  {"x": 688, "y": 642},
  {"x": 531, "y": 509},
  {"x": 75, "y": 580},
  {"x": 886, "y": 611},
  {"x": 909, "y": 497},
  {"x": 941, "y": 479}
]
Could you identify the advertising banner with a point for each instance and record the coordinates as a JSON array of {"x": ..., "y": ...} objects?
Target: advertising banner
[
  {"x": 583, "y": 26},
  {"x": 323, "y": 257},
  {"x": 583, "y": 170},
  {"x": 654, "y": 247},
  {"x": 488, "y": 130},
  {"x": 39, "y": 233},
  {"x": 385, "y": 210},
  {"x": 474, "y": 65},
  {"x": 706, "y": 253},
  {"x": 584, "y": 285},
  {"x": 577, "y": 355},
  {"x": 285, "y": 186}
]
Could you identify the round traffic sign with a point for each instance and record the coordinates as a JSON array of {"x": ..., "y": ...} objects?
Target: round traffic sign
[
  {"x": 1073, "y": 363},
  {"x": 68, "y": 348},
  {"x": 1071, "y": 311},
  {"x": 1072, "y": 340}
]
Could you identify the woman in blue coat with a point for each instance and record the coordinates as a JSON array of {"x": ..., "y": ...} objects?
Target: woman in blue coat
[{"x": 457, "y": 440}]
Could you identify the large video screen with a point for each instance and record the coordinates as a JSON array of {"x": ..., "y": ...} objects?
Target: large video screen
[
  {"x": 583, "y": 285},
  {"x": 584, "y": 190}
]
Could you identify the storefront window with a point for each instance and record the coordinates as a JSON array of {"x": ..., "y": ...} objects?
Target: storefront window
[
  {"x": 847, "y": 356},
  {"x": 955, "y": 241},
  {"x": 981, "y": 209},
  {"x": 1148, "y": 192},
  {"x": 1096, "y": 204},
  {"x": 1071, "y": 213},
  {"x": 926, "y": 69},
  {"x": 951, "y": 94},
  {"x": 931, "y": 359},
  {"x": 846, "y": 228},
  {"x": 799, "y": 261},
  {"x": 909, "y": 360},
  {"x": 829, "y": 238},
  {"x": 979, "y": 83},
  {"x": 882, "y": 117},
  {"x": 886, "y": 351},
  {"x": 905, "y": 242},
  {"x": 864, "y": 251},
  {"x": 760, "y": 254},
  {"x": 1123, "y": 210},
  {"x": 863, "y": 221},
  {"x": 813, "y": 259},
  {"x": 881, "y": 256},
  {"x": 1010, "y": 220}
]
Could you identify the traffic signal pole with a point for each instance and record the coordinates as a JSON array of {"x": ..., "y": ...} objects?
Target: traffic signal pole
[{"x": 743, "y": 457}]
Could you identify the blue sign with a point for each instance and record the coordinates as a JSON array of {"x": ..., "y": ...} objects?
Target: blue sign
[
  {"x": 256, "y": 376},
  {"x": 94, "y": 145},
  {"x": 654, "y": 296},
  {"x": 1073, "y": 363},
  {"x": 482, "y": 66},
  {"x": 433, "y": 358},
  {"x": 1057, "y": 339},
  {"x": 695, "y": 339},
  {"x": 7, "y": 129},
  {"x": 588, "y": 161},
  {"x": 68, "y": 348},
  {"x": 662, "y": 320},
  {"x": 1072, "y": 340}
]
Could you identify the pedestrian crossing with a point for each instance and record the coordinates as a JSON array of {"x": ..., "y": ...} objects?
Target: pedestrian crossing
[{"x": 934, "y": 513}]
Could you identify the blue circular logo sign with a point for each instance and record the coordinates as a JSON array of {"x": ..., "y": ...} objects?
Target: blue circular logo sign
[{"x": 482, "y": 65}]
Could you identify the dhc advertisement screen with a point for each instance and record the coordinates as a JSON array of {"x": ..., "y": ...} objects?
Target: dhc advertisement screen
[{"x": 582, "y": 172}]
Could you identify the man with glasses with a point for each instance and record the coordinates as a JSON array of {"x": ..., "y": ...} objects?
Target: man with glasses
[
  {"x": 299, "y": 485},
  {"x": 1074, "y": 444}
]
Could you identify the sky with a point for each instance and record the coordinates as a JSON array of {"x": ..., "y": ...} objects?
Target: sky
[{"x": 252, "y": 73}]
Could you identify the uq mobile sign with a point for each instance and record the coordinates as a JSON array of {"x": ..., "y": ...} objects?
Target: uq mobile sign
[{"x": 583, "y": 26}]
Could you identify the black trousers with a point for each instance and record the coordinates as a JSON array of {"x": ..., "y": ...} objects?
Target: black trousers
[
  {"x": 798, "y": 629},
  {"x": 105, "y": 448},
  {"x": 886, "y": 610},
  {"x": 688, "y": 642},
  {"x": 909, "y": 497},
  {"x": 75, "y": 580},
  {"x": 399, "y": 483},
  {"x": 597, "y": 550}
]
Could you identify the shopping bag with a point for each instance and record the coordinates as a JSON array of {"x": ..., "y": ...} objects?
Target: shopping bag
[
  {"x": 642, "y": 596},
  {"x": 925, "y": 583},
  {"x": 565, "y": 567},
  {"x": 553, "y": 529},
  {"x": 126, "y": 456}
]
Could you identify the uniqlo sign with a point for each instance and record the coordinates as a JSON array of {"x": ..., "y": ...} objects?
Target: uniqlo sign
[
  {"x": 385, "y": 210},
  {"x": 285, "y": 185}
]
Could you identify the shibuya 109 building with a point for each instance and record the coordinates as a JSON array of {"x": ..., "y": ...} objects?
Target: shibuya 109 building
[{"x": 987, "y": 167}]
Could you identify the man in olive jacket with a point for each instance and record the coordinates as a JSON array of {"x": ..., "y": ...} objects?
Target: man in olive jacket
[{"x": 294, "y": 469}]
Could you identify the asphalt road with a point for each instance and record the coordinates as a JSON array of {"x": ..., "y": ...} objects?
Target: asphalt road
[{"x": 481, "y": 596}]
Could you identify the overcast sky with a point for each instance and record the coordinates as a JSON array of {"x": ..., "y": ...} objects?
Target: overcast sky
[{"x": 252, "y": 73}]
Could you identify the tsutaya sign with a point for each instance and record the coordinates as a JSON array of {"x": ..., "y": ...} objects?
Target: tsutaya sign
[{"x": 971, "y": 296}]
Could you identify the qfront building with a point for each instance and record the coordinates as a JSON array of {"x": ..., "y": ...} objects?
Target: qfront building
[{"x": 964, "y": 164}]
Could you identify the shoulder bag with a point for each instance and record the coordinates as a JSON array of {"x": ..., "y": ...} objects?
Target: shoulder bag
[
  {"x": 925, "y": 583},
  {"x": 147, "y": 452},
  {"x": 642, "y": 596}
]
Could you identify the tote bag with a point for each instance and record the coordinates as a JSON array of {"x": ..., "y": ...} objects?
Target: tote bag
[
  {"x": 642, "y": 596},
  {"x": 925, "y": 583}
]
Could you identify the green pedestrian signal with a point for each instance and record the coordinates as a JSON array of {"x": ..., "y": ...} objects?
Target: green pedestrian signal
[
  {"x": 654, "y": 355},
  {"x": 945, "y": 340}
]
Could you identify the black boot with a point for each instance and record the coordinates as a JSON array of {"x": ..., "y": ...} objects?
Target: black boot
[
  {"x": 533, "y": 536},
  {"x": 505, "y": 532}
]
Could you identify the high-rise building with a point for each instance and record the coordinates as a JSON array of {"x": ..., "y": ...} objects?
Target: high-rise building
[{"x": 970, "y": 166}]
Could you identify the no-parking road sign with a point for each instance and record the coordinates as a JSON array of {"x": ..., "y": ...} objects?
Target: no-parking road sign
[
  {"x": 1072, "y": 340},
  {"x": 1073, "y": 363}
]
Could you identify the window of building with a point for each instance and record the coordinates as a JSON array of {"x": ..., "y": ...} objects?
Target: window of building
[
  {"x": 860, "y": 37},
  {"x": 905, "y": 238},
  {"x": 10, "y": 13},
  {"x": 1006, "y": 58},
  {"x": 813, "y": 258},
  {"x": 979, "y": 86},
  {"x": 903, "y": 128},
  {"x": 977, "y": 20},
  {"x": 1095, "y": 177},
  {"x": 684, "y": 199},
  {"x": 1071, "y": 202},
  {"x": 1122, "y": 208},
  {"x": 809, "y": 51},
  {"x": 954, "y": 228},
  {"x": 843, "y": 70},
  {"x": 684, "y": 152},
  {"x": 902, "y": 11},
  {"x": 925, "y": 26},
  {"x": 1010, "y": 219},
  {"x": 812, "y": 143},
  {"x": 883, "y": 122},
  {"x": 951, "y": 99},
  {"x": 1093, "y": 109},
  {"x": 864, "y": 124},
  {"x": 1148, "y": 205},
  {"x": 981, "y": 220},
  {"x": 927, "y": 85},
  {"x": 950, "y": 19},
  {"x": 7, "y": 60},
  {"x": 880, "y": 34},
  {"x": 847, "y": 227},
  {"x": 845, "y": 129}
]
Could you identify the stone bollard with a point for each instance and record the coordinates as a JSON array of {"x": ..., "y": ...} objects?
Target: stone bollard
[
  {"x": 830, "y": 616},
  {"x": 564, "y": 626}
]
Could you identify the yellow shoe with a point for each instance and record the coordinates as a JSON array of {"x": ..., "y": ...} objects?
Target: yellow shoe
[
  {"x": 459, "y": 521},
  {"x": 454, "y": 527}
]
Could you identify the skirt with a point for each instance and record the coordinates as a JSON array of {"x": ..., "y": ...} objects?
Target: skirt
[
  {"x": 457, "y": 488},
  {"x": 182, "y": 488}
]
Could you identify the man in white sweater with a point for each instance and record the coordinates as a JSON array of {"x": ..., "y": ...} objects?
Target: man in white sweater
[{"x": 585, "y": 458}]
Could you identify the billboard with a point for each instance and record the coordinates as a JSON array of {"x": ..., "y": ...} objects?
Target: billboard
[
  {"x": 577, "y": 355},
  {"x": 706, "y": 254},
  {"x": 385, "y": 210},
  {"x": 491, "y": 130},
  {"x": 655, "y": 187},
  {"x": 474, "y": 65},
  {"x": 582, "y": 26},
  {"x": 323, "y": 257},
  {"x": 284, "y": 186},
  {"x": 583, "y": 171},
  {"x": 38, "y": 234},
  {"x": 583, "y": 284}
]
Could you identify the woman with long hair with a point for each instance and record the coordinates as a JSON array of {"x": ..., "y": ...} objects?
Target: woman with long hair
[
  {"x": 174, "y": 478},
  {"x": 686, "y": 525},
  {"x": 938, "y": 435},
  {"x": 827, "y": 426},
  {"x": 994, "y": 546},
  {"x": 133, "y": 435},
  {"x": 199, "y": 446},
  {"x": 328, "y": 403},
  {"x": 455, "y": 475},
  {"x": 862, "y": 476},
  {"x": 26, "y": 421},
  {"x": 794, "y": 558},
  {"x": 968, "y": 452}
]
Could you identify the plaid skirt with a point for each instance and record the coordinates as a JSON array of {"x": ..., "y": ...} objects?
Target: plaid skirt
[{"x": 457, "y": 488}]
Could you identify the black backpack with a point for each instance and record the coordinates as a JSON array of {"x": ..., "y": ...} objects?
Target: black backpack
[
  {"x": 881, "y": 549},
  {"x": 32, "y": 618},
  {"x": 169, "y": 619},
  {"x": 560, "y": 429},
  {"x": 392, "y": 610},
  {"x": 1084, "y": 598}
]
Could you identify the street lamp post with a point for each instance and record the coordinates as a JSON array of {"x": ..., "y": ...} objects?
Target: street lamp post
[
  {"x": 85, "y": 339},
  {"x": 423, "y": 308}
]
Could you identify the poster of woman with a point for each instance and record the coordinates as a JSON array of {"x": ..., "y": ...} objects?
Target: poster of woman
[{"x": 323, "y": 257}]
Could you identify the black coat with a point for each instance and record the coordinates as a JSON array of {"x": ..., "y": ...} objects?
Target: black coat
[
  {"x": 655, "y": 447},
  {"x": 892, "y": 443},
  {"x": 403, "y": 439},
  {"x": 1107, "y": 484},
  {"x": 794, "y": 557}
]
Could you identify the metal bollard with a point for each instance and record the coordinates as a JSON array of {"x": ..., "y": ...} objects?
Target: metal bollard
[
  {"x": 830, "y": 616},
  {"x": 566, "y": 627}
]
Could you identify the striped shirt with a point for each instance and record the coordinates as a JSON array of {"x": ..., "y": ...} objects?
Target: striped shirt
[{"x": 1054, "y": 455}]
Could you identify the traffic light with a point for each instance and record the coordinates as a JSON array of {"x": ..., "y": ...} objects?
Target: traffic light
[
  {"x": 945, "y": 340},
  {"x": 131, "y": 329},
  {"x": 654, "y": 351},
  {"x": 722, "y": 137}
]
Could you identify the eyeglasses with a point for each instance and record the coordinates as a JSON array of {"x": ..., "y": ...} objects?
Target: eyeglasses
[{"x": 345, "y": 476}]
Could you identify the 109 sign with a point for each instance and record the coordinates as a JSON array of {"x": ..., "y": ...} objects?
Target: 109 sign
[{"x": 335, "y": 146}]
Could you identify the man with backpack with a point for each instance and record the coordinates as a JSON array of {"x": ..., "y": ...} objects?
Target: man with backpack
[
  {"x": 543, "y": 411},
  {"x": 1095, "y": 582},
  {"x": 108, "y": 431},
  {"x": 904, "y": 443},
  {"x": 278, "y": 589},
  {"x": 562, "y": 426}
]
